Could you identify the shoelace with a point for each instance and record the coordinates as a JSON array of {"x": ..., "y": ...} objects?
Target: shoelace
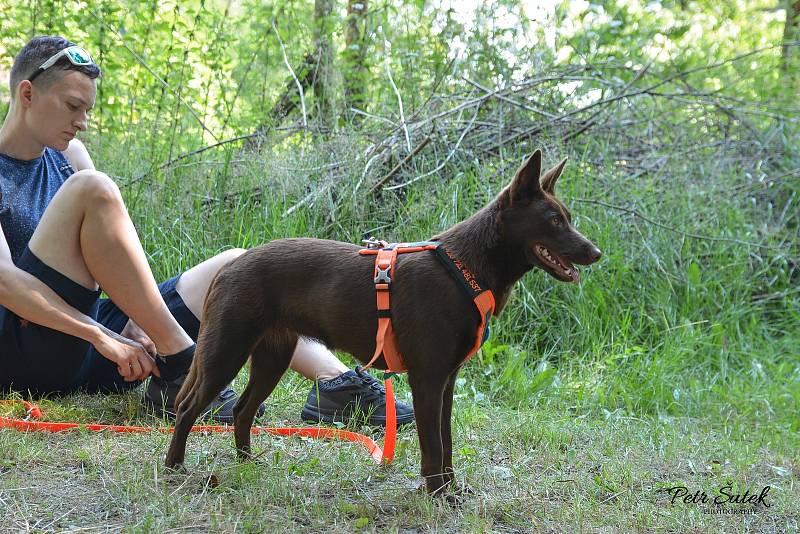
[{"x": 372, "y": 383}]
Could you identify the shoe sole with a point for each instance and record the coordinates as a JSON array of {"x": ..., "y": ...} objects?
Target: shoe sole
[{"x": 313, "y": 416}]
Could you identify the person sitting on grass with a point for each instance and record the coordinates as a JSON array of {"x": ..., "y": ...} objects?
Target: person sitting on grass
[{"x": 66, "y": 233}]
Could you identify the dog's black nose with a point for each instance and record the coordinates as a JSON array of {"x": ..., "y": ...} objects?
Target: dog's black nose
[{"x": 594, "y": 253}]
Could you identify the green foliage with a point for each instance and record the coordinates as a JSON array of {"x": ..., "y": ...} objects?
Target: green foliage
[{"x": 179, "y": 75}]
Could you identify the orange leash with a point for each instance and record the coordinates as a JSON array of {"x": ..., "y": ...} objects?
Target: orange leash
[
  {"x": 390, "y": 438},
  {"x": 33, "y": 424}
]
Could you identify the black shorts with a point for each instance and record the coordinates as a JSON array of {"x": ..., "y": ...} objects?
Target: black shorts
[{"x": 40, "y": 361}]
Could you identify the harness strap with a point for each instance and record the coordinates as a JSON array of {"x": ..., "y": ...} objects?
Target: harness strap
[
  {"x": 468, "y": 281},
  {"x": 386, "y": 257},
  {"x": 384, "y": 338},
  {"x": 482, "y": 298}
]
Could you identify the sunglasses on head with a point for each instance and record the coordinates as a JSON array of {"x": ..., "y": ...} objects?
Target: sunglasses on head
[{"x": 75, "y": 54}]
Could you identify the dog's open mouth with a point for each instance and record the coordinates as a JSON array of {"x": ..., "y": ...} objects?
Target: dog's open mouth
[{"x": 559, "y": 267}]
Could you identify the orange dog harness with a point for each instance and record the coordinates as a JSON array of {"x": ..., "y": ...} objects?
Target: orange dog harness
[
  {"x": 385, "y": 342},
  {"x": 385, "y": 259}
]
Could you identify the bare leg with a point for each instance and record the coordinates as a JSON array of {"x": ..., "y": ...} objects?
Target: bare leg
[
  {"x": 87, "y": 235},
  {"x": 193, "y": 284},
  {"x": 315, "y": 362}
]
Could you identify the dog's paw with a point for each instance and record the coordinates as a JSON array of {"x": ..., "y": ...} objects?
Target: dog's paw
[
  {"x": 460, "y": 490},
  {"x": 176, "y": 468},
  {"x": 212, "y": 481}
]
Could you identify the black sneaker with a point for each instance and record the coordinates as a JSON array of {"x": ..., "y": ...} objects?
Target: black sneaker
[
  {"x": 351, "y": 393},
  {"x": 160, "y": 397}
]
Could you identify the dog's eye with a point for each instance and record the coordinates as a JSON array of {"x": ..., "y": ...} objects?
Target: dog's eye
[{"x": 555, "y": 221}]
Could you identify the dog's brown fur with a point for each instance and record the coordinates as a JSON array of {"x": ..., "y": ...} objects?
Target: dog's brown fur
[{"x": 262, "y": 302}]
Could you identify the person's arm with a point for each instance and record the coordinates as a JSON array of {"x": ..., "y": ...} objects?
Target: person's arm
[
  {"x": 78, "y": 156},
  {"x": 33, "y": 300}
]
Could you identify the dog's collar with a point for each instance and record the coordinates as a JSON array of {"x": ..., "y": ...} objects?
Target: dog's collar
[{"x": 478, "y": 291}]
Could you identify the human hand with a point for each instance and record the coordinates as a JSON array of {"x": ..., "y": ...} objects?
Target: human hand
[
  {"x": 134, "y": 332},
  {"x": 133, "y": 361}
]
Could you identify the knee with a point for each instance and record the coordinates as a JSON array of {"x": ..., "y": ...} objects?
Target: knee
[
  {"x": 94, "y": 186},
  {"x": 229, "y": 255}
]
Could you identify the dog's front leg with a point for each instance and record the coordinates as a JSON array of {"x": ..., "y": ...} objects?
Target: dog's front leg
[
  {"x": 427, "y": 391},
  {"x": 447, "y": 435},
  {"x": 447, "y": 439}
]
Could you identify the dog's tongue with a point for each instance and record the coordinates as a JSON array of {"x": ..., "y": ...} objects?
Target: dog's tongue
[{"x": 573, "y": 272}]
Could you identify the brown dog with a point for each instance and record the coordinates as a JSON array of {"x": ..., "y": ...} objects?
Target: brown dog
[{"x": 262, "y": 302}]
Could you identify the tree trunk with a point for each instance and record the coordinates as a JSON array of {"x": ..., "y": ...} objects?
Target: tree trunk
[
  {"x": 323, "y": 79},
  {"x": 355, "y": 54},
  {"x": 791, "y": 32},
  {"x": 290, "y": 99}
]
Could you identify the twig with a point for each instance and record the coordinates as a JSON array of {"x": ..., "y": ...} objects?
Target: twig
[
  {"x": 449, "y": 156},
  {"x": 672, "y": 229},
  {"x": 371, "y": 116},
  {"x": 201, "y": 150},
  {"x": 499, "y": 96},
  {"x": 187, "y": 155},
  {"x": 309, "y": 198},
  {"x": 397, "y": 93},
  {"x": 766, "y": 181},
  {"x": 296, "y": 81},
  {"x": 397, "y": 167}
]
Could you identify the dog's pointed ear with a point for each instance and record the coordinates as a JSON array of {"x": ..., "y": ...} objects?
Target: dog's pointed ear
[
  {"x": 526, "y": 182},
  {"x": 551, "y": 177}
]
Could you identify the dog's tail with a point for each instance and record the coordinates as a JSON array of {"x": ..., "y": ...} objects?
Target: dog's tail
[{"x": 188, "y": 384}]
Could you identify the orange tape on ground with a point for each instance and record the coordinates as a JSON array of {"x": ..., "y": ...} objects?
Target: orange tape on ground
[{"x": 33, "y": 424}]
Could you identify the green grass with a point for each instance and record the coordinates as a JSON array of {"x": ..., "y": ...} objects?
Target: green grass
[{"x": 674, "y": 362}]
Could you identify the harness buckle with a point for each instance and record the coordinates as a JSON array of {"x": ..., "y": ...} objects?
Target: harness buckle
[
  {"x": 373, "y": 243},
  {"x": 382, "y": 275}
]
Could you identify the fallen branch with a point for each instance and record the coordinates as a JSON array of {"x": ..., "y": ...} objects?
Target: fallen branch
[{"x": 400, "y": 165}]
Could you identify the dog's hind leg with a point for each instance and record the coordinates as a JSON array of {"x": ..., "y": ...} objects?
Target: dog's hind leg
[
  {"x": 222, "y": 349},
  {"x": 268, "y": 362}
]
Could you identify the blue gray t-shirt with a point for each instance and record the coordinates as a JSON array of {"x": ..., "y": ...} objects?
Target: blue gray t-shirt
[{"x": 26, "y": 188}]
